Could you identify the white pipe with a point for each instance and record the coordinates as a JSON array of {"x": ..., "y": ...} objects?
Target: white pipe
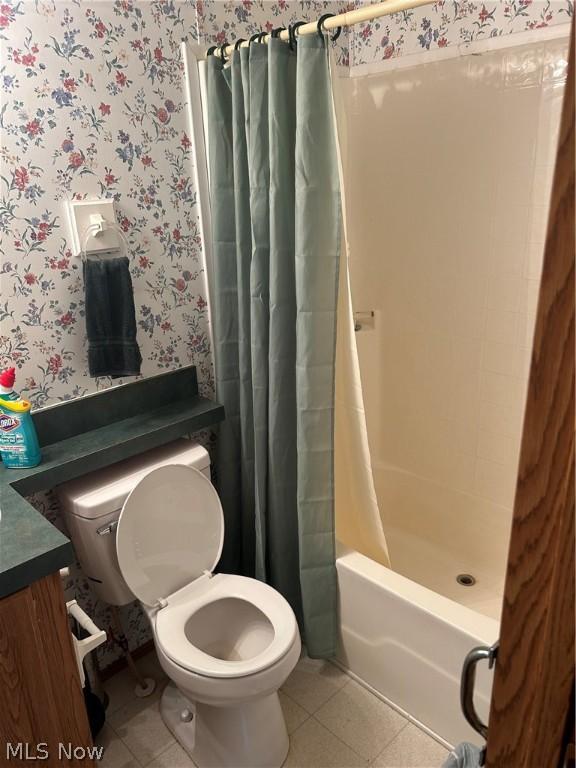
[{"x": 367, "y": 13}]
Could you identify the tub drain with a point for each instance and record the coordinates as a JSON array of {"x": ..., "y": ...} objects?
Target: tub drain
[{"x": 466, "y": 579}]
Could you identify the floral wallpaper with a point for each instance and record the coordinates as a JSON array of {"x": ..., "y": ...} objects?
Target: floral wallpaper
[
  {"x": 229, "y": 20},
  {"x": 451, "y": 22},
  {"x": 93, "y": 105}
]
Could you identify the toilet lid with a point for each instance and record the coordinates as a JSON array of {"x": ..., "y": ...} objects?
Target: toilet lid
[{"x": 170, "y": 532}]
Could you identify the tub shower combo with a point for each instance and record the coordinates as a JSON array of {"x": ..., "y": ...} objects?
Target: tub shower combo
[{"x": 442, "y": 233}]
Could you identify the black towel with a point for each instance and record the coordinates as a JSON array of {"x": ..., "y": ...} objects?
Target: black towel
[{"x": 110, "y": 318}]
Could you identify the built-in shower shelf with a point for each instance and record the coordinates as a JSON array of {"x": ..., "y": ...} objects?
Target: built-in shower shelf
[{"x": 81, "y": 436}]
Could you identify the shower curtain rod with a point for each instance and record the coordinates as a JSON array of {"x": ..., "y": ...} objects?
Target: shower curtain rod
[{"x": 368, "y": 13}]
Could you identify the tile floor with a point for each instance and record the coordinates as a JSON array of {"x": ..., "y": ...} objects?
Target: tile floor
[{"x": 333, "y": 723}]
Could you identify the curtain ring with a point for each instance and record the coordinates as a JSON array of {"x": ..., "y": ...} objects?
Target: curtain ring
[
  {"x": 292, "y": 29},
  {"x": 211, "y": 50},
  {"x": 238, "y": 43},
  {"x": 320, "y": 27},
  {"x": 261, "y": 36},
  {"x": 223, "y": 51},
  {"x": 276, "y": 32},
  {"x": 254, "y": 38}
]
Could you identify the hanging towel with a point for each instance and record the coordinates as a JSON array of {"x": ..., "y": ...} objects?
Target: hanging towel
[
  {"x": 463, "y": 756},
  {"x": 110, "y": 318}
]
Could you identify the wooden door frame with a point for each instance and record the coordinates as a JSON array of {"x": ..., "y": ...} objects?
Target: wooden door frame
[{"x": 534, "y": 676}]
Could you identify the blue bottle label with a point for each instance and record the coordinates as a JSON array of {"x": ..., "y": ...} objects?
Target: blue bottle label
[{"x": 18, "y": 441}]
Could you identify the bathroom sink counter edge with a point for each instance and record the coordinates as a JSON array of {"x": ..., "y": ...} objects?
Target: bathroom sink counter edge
[{"x": 96, "y": 431}]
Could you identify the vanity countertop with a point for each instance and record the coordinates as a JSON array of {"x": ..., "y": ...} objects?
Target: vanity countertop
[{"x": 78, "y": 437}]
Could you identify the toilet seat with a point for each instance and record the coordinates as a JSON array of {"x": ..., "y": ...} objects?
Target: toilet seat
[
  {"x": 169, "y": 539},
  {"x": 172, "y": 620},
  {"x": 170, "y": 532}
]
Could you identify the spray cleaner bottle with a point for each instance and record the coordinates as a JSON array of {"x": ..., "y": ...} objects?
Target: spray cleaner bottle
[{"x": 19, "y": 445}]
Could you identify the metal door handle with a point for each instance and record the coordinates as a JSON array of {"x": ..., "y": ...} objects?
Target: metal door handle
[{"x": 468, "y": 681}]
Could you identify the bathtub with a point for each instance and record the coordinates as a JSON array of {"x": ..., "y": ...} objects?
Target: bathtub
[
  {"x": 436, "y": 533},
  {"x": 407, "y": 643},
  {"x": 404, "y": 632}
]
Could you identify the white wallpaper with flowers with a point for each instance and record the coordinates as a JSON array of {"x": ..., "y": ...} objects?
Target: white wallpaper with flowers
[
  {"x": 451, "y": 22},
  {"x": 92, "y": 104}
]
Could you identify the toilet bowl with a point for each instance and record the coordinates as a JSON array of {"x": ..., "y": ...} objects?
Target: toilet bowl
[{"x": 226, "y": 642}]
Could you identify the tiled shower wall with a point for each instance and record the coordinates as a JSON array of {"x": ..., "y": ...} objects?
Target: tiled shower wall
[{"x": 450, "y": 167}]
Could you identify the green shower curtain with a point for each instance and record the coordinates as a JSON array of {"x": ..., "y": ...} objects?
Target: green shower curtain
[{"x": 275, "y": 207}]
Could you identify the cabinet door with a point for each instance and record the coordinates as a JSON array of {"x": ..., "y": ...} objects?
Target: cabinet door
[{"x": 41, "y": 700}]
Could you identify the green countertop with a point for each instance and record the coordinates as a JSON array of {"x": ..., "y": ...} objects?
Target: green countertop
[{"x": 94, "y": 432}]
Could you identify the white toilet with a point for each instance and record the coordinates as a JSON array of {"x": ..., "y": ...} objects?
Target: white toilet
[{"x": 227, "y": 642}]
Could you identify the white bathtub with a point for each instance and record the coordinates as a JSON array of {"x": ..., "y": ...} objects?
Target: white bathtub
[
  {"x": 407, "y": 643},
  {"x": 435, "y": 533}
]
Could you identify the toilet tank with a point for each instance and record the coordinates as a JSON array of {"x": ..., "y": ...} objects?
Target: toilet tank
[{"x": 92, "y": 504}]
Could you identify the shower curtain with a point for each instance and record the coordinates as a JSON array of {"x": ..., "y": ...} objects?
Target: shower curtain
[
  {"x": 358, "y": 520},
  {"x": 275, "y": 205}
]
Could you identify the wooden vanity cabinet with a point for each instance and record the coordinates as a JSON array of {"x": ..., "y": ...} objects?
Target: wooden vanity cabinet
[{"x": 41, "y": 699}]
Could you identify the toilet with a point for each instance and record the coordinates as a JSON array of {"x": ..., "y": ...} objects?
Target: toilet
[{"x": 226, "y": 642}]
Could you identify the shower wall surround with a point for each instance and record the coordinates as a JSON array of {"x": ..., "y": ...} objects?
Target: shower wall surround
[{"x": 454, "y": 286}]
